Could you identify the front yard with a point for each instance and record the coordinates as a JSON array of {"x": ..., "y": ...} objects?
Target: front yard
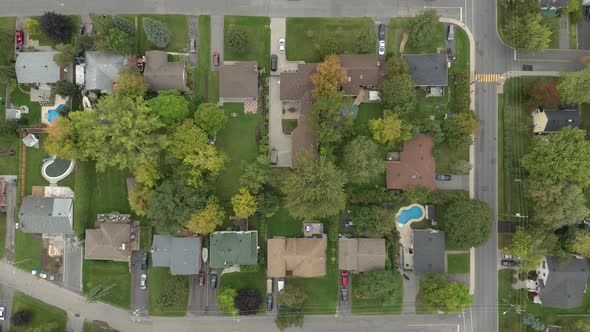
[
  {"x": 206, "y": 81},
  {"x": 111, "y": 280},
  {"x": 241, "y": 280},
  {"x": 458, "y": 263},
  {"x": 160, "y": 284},
  {"x": 27, "y": 251},
  {"x": 392, "y": 305},
  {"x": 258, "y": 40},
  {"x": 397, "y": 26},
  {"x": 178, "y": 27},
  {"x": 42, "y": 314},
  {"x": 322, "y": 293}
]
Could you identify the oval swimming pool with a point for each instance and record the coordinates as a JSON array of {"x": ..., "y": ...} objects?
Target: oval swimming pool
[{"x": 409, "y": 213}]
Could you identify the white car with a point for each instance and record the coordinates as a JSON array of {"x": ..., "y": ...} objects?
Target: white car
[
  {"x": 382, "y": 47},
  {"x": 2, "y": 312},
  {"x": 143, "y": 282},
  {"x": 282, "y": 45}
]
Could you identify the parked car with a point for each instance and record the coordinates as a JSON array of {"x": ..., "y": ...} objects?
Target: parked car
[
  {"x": 273, "y": 62},
  {"x": 451, "y": 33},
  {"x": 192, "y": 45},
  {"x": 216, "y": 59},
  {"x": 344, "y": 293},
  {"x": 344, "y": 278},
  {"x": 381, "y": 31},
  {"x": 506, "y": 256},
  {"x": 143, "y": 281},
  {"x": 81, "y": 29},
  {"x": 282, "y": 45},
  {"x": 2, "y": 312},
  {"x": 202, "y": 279},
  {"x": 280, "y": 284},
  {"x": 213, "y": 280},
  {"x": 269, "y": 302},
  {"x": 20, "y": 37},
  {"x": 442, "y": 177},
  {"x": 587, "y": 13},
  {"x": 508, "y": 262},
  {"x": 382, "y": 47},
  {"x": 144, "y": 261}
]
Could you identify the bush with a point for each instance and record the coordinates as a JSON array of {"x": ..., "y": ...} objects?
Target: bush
[
  {"x": 21, "y": 317},
  {"x": 8, "y": 127},
  {"x": 33, "y": 28},
  {"x": 248, "y": 301},
  {"x": 66, "y": 89},
  {"x": 67, "y": 54},
  {"x": 422, "y": 27},
  {"x": 156, "y": 32},
  {"x": 374, "y": 197},
  {"x": 123, "y": 24},
  {"x": 237, "y": 39},
  {"x": 461, "y": 96},
  {"x": 56, "y": 27},
  {"x": 85, "y": 42}
]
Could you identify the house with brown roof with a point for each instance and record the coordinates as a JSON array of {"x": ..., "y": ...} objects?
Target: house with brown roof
[
  {"x": 302, "y": 140},
  {"x": 414, "y": 167},
  {"x": 111, "y": 241},
  {"x": 363, "y": 72},
  {"x": 303, "y": 257},
  {"x": 238, "y": 83},
  {"x": 361, "y": 255},
  {"x": 163, "y": 75}
]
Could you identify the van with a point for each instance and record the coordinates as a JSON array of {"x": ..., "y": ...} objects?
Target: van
[
  {"x": 451, "y": 33},
  {"x": 269, "y": 286},
  {"x": 192, "y": 46}
]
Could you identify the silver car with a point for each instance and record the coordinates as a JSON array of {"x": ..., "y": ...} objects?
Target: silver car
[
  {"x": 382, "y": 47},
  {"x": 143, "y": 281}
]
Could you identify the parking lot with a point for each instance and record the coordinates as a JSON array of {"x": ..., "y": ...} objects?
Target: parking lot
[{"x": 139, "y": 297}]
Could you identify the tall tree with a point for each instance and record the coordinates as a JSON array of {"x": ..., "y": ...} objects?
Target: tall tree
[
  {"x": 561, "y": 157},
  {"x": 67, "y": 54},
  {"x": 556, "y": 204},
  {"x": 56, "y": 27},
  {"x": 288, "y": 317},
  {"x": 329, "y": 124},
  {"x": 422, "y": 26},
  {"x": 130, "y": 84},
  {"x": 526, "y": 32},
  {"x": 156, "y": 32},
  {"x": 329, "y": 76},
  {"x": 542, "y": 93},
  {"x": 569, "y": 87},
  {"x": 396, "y": 65},
  {"x": 62, "y": 139},
  {"x": 244, "y": 203},
  {"x": 390, "y": 130},
  {"x": 398, "y": 91},
  {"x": 205, "y": 221},
  {"x": 255, "y": 175},
  {"x": 362, "y": 160},
  {"x": 170, "y": 106},
  {"x": 416, "y": 194},
  {"x": 210, "y": 118},
  {"x": 316, "y": 189},
  {"x": 248, "y": 301},
  {"x": 458, "y": 129},
  {"x": 467, "y": 223},
  {"x": 528, "y": 246},
  {"x": 440, "y": 294}
]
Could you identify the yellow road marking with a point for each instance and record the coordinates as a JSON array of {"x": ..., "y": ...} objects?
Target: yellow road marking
[{"x": 487, "y": 78}]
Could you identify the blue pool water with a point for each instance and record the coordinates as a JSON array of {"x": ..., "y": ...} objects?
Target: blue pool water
[
  {"x": 408, "y": 214},
  {"x": 53, "y": 114}
]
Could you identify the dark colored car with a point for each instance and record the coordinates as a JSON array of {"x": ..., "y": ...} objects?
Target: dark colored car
[
  {"x": 442, "y": 177},
  {"x": 144, "y": 261},
  {"x": 201, "y": 279},
  {"x": 269, "y": 302},
  {"x": 587, "y": 13},
  {"x": 344, "y": 293},
  {"x": 216, "y": 59},
  {"x": 213, "y": 280},
  {"x": 344, "y": 278},
  {"x": 20, "y": 37},
  {"x": 508, "y": 262},
  {"x": 273, "y": 62},
  {"x": 381, "y": 31},
  {"x": 81, "y": 29}
]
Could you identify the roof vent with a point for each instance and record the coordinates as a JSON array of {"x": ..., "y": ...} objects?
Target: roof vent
[{"x": 349, "y": 78}]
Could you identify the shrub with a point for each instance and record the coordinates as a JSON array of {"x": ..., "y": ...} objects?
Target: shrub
[
  {"x": 67, "y": 54},
  {"x": 33, "y": 28},
  {"x": 237, "y": 39},
  {"x": 123, "y": 24},
  {"x": 21, "y": 317},
  {"x": 85, "y": 42},
  {"x": 56, "y": 27},
  {"x": 248, "y": 301},
  {"x": 66, "y": 89},
  {"x": 156, "y": 32}
]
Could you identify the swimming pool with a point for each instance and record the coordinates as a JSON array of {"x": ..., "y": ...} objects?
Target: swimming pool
[
  {"x": 53, "y": 114},
  {"x": 414, "y": 212}
]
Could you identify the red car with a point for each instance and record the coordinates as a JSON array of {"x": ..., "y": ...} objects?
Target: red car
[
  {"x": 20, "y": 37},
  {"x": 201, "y": 279},
  {"x": 216, "y": 59},
  {"x": 344, "y": 278}
]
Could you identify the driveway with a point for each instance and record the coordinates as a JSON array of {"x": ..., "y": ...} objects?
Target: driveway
[
  {"x": 72, "y": 267},
  {"x": 139, "y": 297},
  {"x": 10, "y": 195},
  {"x": 203, "y": 299},
  {"x": 193, "y": 33},
  {"x": 584, "y": 34},
  {"x": 216, "y": 39},
  {"x": 411, "y": 288},
  {"x": 457, "y": 182},
  {"x": 345, "y": 307},
  {"x": 6, "y": 301}
]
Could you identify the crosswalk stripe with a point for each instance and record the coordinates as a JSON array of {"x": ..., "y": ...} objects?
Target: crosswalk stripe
[{"x": 487, "y": 78}]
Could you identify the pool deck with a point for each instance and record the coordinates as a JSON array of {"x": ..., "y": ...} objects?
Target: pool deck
[
  {"x": 45, "y": 109},
  {"x": 406, "y": 237}
]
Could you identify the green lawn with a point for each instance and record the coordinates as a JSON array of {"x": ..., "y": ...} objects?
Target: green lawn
[
  {"x": 8, "y": 163},
  {"x": 431, "y": 44},
  {"x": 258, "y": 45},
  {"x": 447, "y": 156},
  {"x": 458, "y": 263},
  {"x": 201, "y": 74},
  {"x": 322, "y": 293},
  {"x": 27, "y": 251},
  {"x": 461, "y": 51},
  {"x": 367, "y": 111},
  {"x": 113, "y": 277},
  {"x": 395, "y": 29},
  {"x": 2, "y": 234},
  {"x": 240, "y": 280},
  {"x": 573, "y": 33},
  {"x": 7, "y": 44},
  {"x": 289, "y": 125},
  {"x": 393, "y": 305},
  {"x": 90, "y": 327},
  {"x": 19, "y": 98},
  {"x": 43, "y": 313},
  {"x": 213, "y": 86},
  {"x": 552, "y": 22},
  {"x": 282, "y": 224},
  {"x": 33, "y": 166},
  {"x": 157, "y": 280},
  {"x": 238, "y": 141},
  {"x": 397, "y": 26},
  {"x": 305, "y": 35},
  {"x": 178, "y": 27}
]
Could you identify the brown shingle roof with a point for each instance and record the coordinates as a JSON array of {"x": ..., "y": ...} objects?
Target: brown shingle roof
[
  {"x": 363, "y": 70},
  {"x": 361, "y": 255},
  {"x": 415, "y": 167},
  {"x": 238, "y": 80},
  {"x": 163, "y": 75},
  {"x": 302, "y": 139},
  {"x": 106, "y": 242},
  {"x": 305, "y": 257}
]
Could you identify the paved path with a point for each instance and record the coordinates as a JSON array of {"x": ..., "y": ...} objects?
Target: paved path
[
  {"x": 457, "y": 182},
  {"x": 564, "y": 35},
  {"x": 10, "y": 222},
  {"x": 411, "y": 288},
  {"x": 139, "y": 297},
  {"x": 7, "y": 298},
  {"x": 73, "y": 259},
  {"x": 216, "y": 39}
]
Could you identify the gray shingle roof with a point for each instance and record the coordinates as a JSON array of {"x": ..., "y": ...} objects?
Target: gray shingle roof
[
  {"x": 12, "y": 114},
  {"x": 181, "y": 254},
  {"x": 557, "y": 120},
  {"x": 163, "y": 75},
  {"x": 565, "y": 283},
  {"x": 47, "y": 215},
  {"x": 429, "y": 251},
  {"x": 428, "y": 69},
  {"x": 37, "y": 67},
  {"x": 101, "y": 70}
]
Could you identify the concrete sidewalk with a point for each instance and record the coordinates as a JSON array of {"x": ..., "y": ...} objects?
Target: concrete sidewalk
[{"x": 564, "y": 35}]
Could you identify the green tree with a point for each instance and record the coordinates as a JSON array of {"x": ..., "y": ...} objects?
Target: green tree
[
  {"x": 398, "y": 91},
  {"x": 396, "y": 65},
  {"x": 581, "y": 243},
  {"x": 33, "y": 28},
  {"x": 569, "y": 87},
  {"x": 244, "y": 203},
  {"x": 255, "y": 175},
  {"x": 526, "y": 32},
  {"x": 329, "y": 124},
  {"x": 119, "y": 41},
  {"x": 467, "y": 223},
  {"x": 67, "y": 54},
  {"x": 237, "y": 39},
  {"x": 362, "y": 160},
  {"x": 170, "y": 106},
  {"x": 573, "y": 6},
  {"x": 292, "y": 296},
  {"x": 7, "y": 73},
  {"x": 458, "y": 129},
  {"x": 210, "y": 118},
  {"x": 156, "y": 32},
  {"x": 124, "y": 25},
  {"x": 527, "y": 246},
  {"x": 62, "y": 139},
  {"x": 422, "y": 27},
  {"x": 66, "y": 88},
  {"x": 440, "y": 294},
  {"x": 561, "y": 157},
  {"x": 85, "y": 43},
  {"x": 390, "y": 130},
  {"x": 378, "y": 286},
  {"x": 556, "y": 204},
  {"x": 172, "y": 204},
  {"x": 130, "y": 84},
  {"x": 225, "y": 301},
  {"x": 56, "y": 27},
  {"x": 205, "y": 221},
  {"x": 315, "y": 189},
  {"x": 416, "y": 194},
  {"x": 373, "y": 221}
]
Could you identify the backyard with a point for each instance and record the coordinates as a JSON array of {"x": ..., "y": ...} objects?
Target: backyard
[
  {"x": 178, "y": 27},
  {"x": 257, "y": 49},
  {"x": 458, "y": 263},
  {"x": 42, "y": 314},
  {"x": 18, "y": 97},
  {"x": 9, "y": 146},
  {"x": 159, "y": 279},
  {"x": 349, "y": 35},
  {"x": 111, "y": 280},
  {"x": 282, "y": 224}
]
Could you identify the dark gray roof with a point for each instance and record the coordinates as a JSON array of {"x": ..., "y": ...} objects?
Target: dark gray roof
[
  {"x": 47, "y": 215},
  {"x": 428, "y": 69},
  {"x": 37, "y": 67},
  {"x": 429, "y": 251},
  {"x": 101, "y": 70},
  {"x": 557, "y": 120},
  {"x": 566, "y": 283},
  {"x": 181, "y": 254},
  {"x": 431, "y": 212}
]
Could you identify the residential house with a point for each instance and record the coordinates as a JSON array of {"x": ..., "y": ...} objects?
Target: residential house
[
  {"x": 361, "y": 254},
  {"x": 163, "y": 75},
  {"x": 415, "y": 165},
  {"x": 428, "y": 70},
  {"x": 233, "y": 248},
  {"x": 102, "y": 69},
  {"x": 112, "y": 241},
  {"x": 181, "y": 254},
  {"x": 562, "y": 284},
  {"x": 550, "y": 121},
  {"x": 47, "y": 215},
  {"x": 429, "y": 251},
  {"x": 238, "y": 83},
  {"x": 302, "y": 257},
  {"x": 38, "y": 68},
  {"x": 363, "y": 71}
]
